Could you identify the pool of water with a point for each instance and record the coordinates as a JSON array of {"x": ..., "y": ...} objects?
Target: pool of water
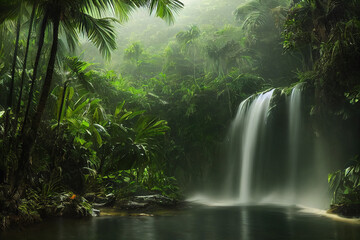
[{"x": 208, "y": 223}]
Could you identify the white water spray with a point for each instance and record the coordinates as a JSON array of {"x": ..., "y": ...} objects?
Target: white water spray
[
  {"x": 255, "y": 122},
  {"x": 294, "y": 140},
  {"x": 273, "y": 156}
]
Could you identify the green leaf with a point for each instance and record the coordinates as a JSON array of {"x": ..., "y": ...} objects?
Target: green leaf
[
  {"x": 101, "y": 129},
  {"x": 119, "y": 108},
  {"x": 96, "y": 115},
  {"x": 74, "y": 122},
  {"x": 330, "y": 175},
  {"x": 85, "y": 124},
  {"x": 97, "y": 135},
  {"x": 95, "y": 101},
  {"x": 80, "y": 140},
  {"x": 59, "y": 98},
  {"x": 134, "y": 114},
  {"x": 125, "y": 116},
  {"x": 80, "y": 107},
  {"x": 71, "y": 93},
  {"x": 100, "y": 32}
]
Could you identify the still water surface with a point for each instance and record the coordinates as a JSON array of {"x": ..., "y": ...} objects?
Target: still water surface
[{"x": 205, "y": 223}]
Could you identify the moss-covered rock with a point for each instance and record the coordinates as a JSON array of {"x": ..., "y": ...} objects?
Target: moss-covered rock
[{"x": 148, "y": 203}]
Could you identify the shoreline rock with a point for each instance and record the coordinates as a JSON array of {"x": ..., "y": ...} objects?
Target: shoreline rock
[{"x": 145, "y": 205}]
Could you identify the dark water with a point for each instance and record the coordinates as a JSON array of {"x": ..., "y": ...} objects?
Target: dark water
[{"x": 205, "y": 223}]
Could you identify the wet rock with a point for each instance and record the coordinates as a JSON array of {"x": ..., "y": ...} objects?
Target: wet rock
[
  {"x": 95, "y": 212},
  {"x": 147, "y": 204},
  {"x": 100, "y": 200},
  {"x": 156, "y": 199}
]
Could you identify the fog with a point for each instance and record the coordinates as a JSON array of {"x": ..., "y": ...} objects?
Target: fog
[{"x": 154, "y": 33}]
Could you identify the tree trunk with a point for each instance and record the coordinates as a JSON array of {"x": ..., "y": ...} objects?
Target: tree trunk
[
  {"x": 63, "y": 98},
  {"x": 48, "y": 78},
  {"x": 11, "y": 88},
  {"x": 30, "y": 137},
  {"x": 33, "y": 78},
  {"x": 25, "y": 61},
  {"x": 62, "y": 106}
]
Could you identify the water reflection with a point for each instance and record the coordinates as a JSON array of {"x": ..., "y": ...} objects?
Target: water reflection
[{"x": 215, "y": 223}]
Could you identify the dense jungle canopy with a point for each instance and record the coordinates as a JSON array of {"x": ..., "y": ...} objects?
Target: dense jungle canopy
[{"x": 128, "y": 97}]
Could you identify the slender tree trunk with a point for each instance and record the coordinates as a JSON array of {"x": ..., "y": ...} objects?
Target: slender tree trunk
[
  {"x": 48, "y": 78},
  {"x": 33, "y": 78},
  {"x": 7, "y": 143},
  {"x": 30, "y": 137},
  {"x": 63, "y": 97},
  {"x": 12, "y": 81},
  {"x": 62, "y": 106},
  {"x": 25, "y": 61}
]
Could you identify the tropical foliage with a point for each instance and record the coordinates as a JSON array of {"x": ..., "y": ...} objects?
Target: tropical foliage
[
  {"x": 153, "y": 119},
  {"x": 345, "y": 184}
]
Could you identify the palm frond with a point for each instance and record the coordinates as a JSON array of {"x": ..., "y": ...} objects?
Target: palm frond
[
  {"x": 79, "y": 68},
  {"x": 76, "y": 65},
  {"x": 246, "y": 8},
  {"x": 70, "y": 34},
  {"x": 123, "y": 9},
  {"x": 100, "y": 32},
  {"x": 165, "y": 9},
  {"x": 254, "y": 20}
]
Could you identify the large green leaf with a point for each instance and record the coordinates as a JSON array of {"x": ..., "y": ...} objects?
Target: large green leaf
[{"x": 119, "y": 108}]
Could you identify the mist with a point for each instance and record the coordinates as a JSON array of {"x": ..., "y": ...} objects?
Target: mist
[
  {"x": 233, "y": 122},
  {"x": 154, "y": 33}
]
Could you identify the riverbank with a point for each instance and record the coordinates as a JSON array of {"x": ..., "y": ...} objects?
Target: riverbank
[
  {"x": 346, "y": 210},
  {"x": 73, "y": 206}
]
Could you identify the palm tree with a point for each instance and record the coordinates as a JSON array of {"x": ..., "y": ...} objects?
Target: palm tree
[
  {"x": 35, "y": 70},
  {"x": 75, "y": 16},
  {"x": 257, "y": 15},
  {"x": 188, "y": 40},
  {"x": 8, "y": 11},
  {"x": 31, "y": 21},
  {"x": 11, "y": 10}
]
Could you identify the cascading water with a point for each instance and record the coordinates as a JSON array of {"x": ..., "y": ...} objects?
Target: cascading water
[
  {"x": 294, "y": 139},
  {"x": 271, "y": 156},
  {"x": 246, "y": 132},
  {"x": 254, "y": 125}
]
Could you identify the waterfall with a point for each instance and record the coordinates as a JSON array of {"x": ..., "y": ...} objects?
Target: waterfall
[
  {"x": 274, "y": 156},
  {"x": 246, "y": 132},
  {"x": 254, "y": 125},
  {"x": 294, "y": 139}
]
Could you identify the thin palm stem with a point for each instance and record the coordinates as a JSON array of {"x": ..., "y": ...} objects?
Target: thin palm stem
[
  {"x": 33, "y": 78},
  {"x": 25, "y": 63}
]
